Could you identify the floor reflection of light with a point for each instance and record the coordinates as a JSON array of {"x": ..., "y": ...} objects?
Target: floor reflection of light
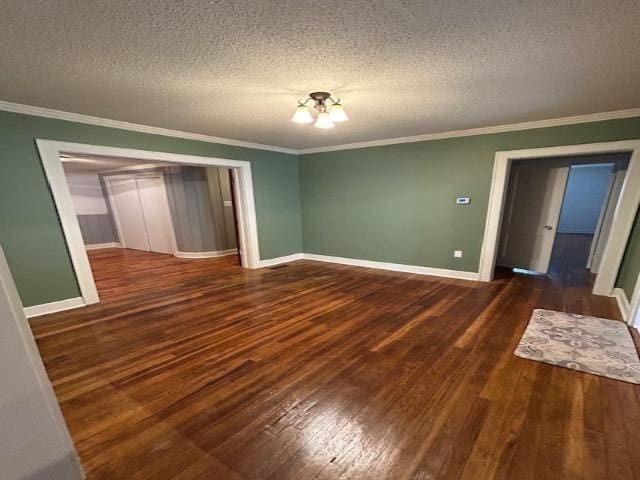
[
  {"x": 526, "y": 272},
  {"x": 347, "y": 441}
]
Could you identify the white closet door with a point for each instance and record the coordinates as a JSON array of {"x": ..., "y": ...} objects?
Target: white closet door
[
  {"x": 157, "y": 217},
  {"x": 129, "y": 214}
]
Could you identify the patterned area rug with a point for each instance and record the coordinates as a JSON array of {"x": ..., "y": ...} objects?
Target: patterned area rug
[{"x": 588, "y": 344}]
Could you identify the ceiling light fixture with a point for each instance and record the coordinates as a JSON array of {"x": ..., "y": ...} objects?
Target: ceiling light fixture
[{"x": 328, "y": 115}]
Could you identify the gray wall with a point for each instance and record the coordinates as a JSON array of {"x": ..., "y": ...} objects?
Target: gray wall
[
  {"x": 220, "y": 193},
  {"x": 201, "y": 221},
  {"x": 197, "y": 195},
  {"x": 97, "y": 229},
  {"x": 92, "y": 207},
  {"x": 584, "y": 197}
]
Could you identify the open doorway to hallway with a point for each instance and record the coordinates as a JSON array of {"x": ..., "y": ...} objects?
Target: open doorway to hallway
[
  {"x": 558, "y": 214},
  {"x": 143, "y": 219}
]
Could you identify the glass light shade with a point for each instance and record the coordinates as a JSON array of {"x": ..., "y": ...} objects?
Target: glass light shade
[
  {"x": 323, "y": 121},
  {"x": 337, "y": 113},
  {"x": 302, "y": 115}
]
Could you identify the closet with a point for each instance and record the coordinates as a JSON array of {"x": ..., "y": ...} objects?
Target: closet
[{"x": 141, "y": 212}]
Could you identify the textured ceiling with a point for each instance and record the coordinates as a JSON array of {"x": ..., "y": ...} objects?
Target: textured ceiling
[{"x": 235, "y": 69}]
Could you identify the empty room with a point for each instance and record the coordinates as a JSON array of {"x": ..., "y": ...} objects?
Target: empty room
[
  {"x": 357, "y": 240},
  {"x": 140, "y": 222}
]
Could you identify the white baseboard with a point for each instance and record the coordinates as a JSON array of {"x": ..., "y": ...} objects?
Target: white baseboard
[
  {"x": 59, "y": 306},
  {"x": 279, "y": 260},
  {"x": 98, "y": 246},
  {"x": 623, "y": 302},
  {"x": 396, "y": 267},
  {"x": 218, "y": 253}
]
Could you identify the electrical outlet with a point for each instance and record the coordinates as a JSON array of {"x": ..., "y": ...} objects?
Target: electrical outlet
[{"x": 457, "y": 253}]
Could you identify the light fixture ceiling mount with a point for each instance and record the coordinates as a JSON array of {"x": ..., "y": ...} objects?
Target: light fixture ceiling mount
[{"x": 330, "y": 110}]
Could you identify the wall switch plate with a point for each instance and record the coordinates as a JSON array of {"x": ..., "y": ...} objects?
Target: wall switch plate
[
  {"x": 457, "y": 253},
  {"x": 463, "y": 200}
]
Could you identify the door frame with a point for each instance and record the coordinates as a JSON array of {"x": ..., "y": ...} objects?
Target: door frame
[
  {"x": 622, "y": 221},
  {"x": 634, "y": 306},
  {"x": 50, "y": 152},
  {"x": 609, "y": 194},
  {"x": 613, "y": 192}
]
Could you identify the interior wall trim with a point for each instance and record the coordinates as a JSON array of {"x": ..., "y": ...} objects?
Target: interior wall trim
[
  {"x": 50, "y": 152},
  {"x": 513, "y": 127},
  {"x": 105, "y": 122},
  {"x": 98, "y": 246},
  {"x": 53, "y": 307},
  {"x": 622, "y": 301},
  {"x": 217, "y": 253},
  {"x": 395, "y": 267},
  {"x": 355, "y": 262},
  {"x": 634, "y": 307},
  {"x": 280, "y": 260},
  {"x": 624, "y": 216}
]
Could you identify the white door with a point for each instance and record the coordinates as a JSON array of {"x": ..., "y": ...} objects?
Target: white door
[
  {"x": 157, "y": 217},
  {"x": 532, "y": 211},
  {"x": 128, "y": 213}
]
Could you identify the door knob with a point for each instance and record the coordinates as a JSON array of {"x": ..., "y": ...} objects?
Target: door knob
[{"x": 548, "y": 227}]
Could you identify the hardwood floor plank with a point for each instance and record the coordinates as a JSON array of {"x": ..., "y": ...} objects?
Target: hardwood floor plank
[{"x": 199, "y": 369}]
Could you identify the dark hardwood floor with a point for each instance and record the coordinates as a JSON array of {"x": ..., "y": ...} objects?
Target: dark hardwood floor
[
  {"x": 198, "y": 369},
  {"x": 569, "y": 259}
]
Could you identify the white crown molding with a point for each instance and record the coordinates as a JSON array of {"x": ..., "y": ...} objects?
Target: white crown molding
[
  {"x": 53, "y": 307},
  {"x": 210, "y": 254},
  {"x": 105, "y": 122},
  {"x": 594, "y": 117}
]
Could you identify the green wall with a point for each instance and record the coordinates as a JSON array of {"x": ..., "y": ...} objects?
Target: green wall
[
  {"x": 396, "y": 203},
  {"x": 631, "y": 262},
  {"x": 30, "y": 232},
  {"x": 392, "y": 203}
]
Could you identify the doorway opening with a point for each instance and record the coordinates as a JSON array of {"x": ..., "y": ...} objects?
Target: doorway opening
[
  {"x": 558, "y": 214},
  {"x": 623, "y": 216},
  {"x": 158, "y": 204},
  {"x": 126, "y": 207}
]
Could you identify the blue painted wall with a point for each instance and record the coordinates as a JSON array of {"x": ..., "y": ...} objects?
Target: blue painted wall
[{"x": 584, "y": 197}]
